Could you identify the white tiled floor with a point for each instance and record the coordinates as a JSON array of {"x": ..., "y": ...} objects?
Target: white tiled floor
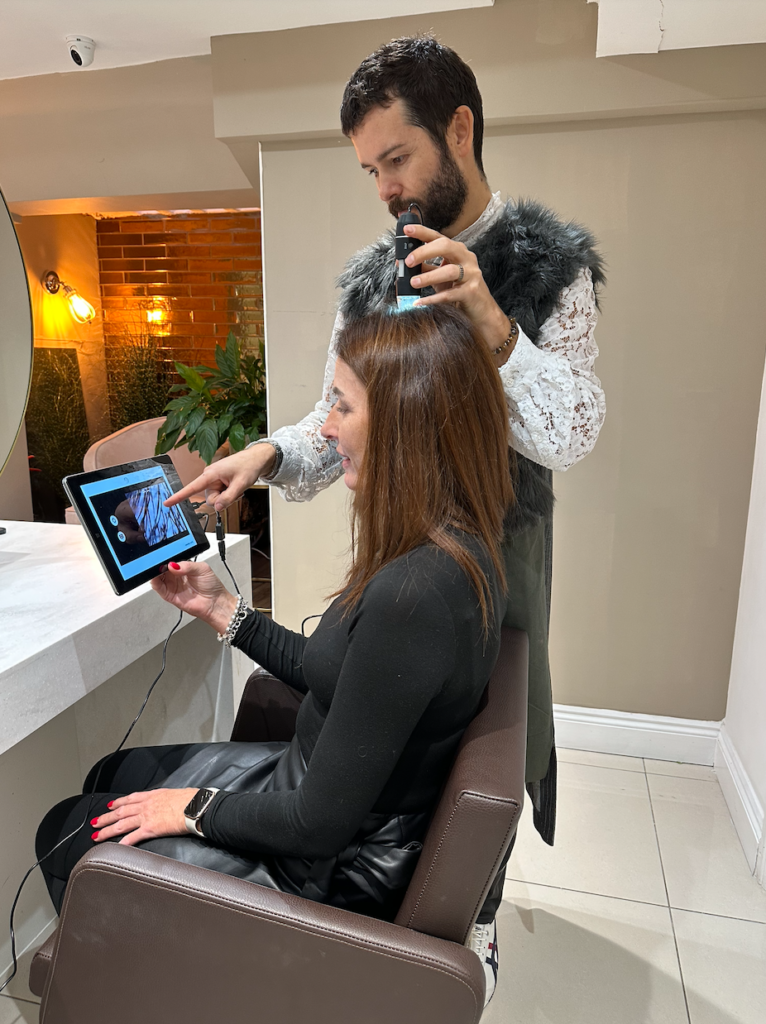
[
  {"x": 645, "y": 911},
  {"x": 17, "y": 1011},
  {"x": 17, "y": 1004}
]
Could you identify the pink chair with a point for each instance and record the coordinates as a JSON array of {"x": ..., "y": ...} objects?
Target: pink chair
[{"x": 138, "y": 441}]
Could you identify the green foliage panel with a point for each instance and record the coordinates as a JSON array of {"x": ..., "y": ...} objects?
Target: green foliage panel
[
  {"x": 138, "y": 381},
  {"x": 57, "y": 430}
]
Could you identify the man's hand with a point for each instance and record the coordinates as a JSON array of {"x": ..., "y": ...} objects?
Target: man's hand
[
  {"x": 195, "y": 589},
  {"x": 225, "y": 481},
  {"x": 140, "y": 816},
  {"x": 471, "y": 292}
]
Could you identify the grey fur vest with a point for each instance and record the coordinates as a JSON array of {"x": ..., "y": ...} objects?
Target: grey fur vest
[{"x": 527, "y": 256}]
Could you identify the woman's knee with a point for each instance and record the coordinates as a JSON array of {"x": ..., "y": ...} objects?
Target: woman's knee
[{"x": 51, "y": 828}]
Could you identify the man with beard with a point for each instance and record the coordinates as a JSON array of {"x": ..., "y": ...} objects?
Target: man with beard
[{"x": 413, "y": 112}]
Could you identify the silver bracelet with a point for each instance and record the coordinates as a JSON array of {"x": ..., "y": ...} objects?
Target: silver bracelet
[{"x": 239, "y": 615}]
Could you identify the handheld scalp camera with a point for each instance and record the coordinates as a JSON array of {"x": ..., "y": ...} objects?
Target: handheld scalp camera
[{"x": 405, "y": 293}]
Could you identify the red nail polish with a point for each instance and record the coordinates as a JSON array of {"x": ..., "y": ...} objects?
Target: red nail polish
[
  {"x": 94, "y": 821},
  {"x": 174, "y": 565},
  {"x": 110, "y": 805},
  {"x": 94, "y": 836}
]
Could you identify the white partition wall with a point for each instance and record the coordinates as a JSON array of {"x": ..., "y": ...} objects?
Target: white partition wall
[{"x": 741, "y": 755}]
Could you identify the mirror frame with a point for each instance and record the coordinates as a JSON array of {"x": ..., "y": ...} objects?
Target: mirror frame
[{"x": 4, "y": 457}]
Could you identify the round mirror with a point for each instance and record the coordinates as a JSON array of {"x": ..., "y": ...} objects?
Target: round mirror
[{"x": 15, "y": 335}]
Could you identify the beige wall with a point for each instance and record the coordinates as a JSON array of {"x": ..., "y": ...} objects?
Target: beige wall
[
  {"x": 117, "y": 132},
  {"x": 534, "y": 61},
  {"x": 650, "y": 527}
]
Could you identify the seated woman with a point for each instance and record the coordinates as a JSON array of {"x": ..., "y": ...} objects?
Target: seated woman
[{"x": 392, "y": 674}]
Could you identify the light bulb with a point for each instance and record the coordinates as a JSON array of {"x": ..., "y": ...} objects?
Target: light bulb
[{"x": 80, "y": 308}]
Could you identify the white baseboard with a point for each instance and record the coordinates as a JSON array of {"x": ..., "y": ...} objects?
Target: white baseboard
[
  {"x": 652, "y": 736},
  {"x": 743, "y": 803}
]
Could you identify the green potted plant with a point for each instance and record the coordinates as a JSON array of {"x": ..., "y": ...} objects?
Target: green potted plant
[{"x": 217, "y": 404}]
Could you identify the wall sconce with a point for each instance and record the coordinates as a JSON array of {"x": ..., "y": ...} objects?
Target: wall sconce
[{"x": 80, "y": 308}]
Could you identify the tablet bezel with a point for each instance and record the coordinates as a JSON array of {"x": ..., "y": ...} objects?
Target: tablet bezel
[{"x": 73, "y": 486}]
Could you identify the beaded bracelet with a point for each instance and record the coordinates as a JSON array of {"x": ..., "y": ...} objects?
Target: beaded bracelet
[
  {"x": 239, "y": 615},
  {"x": 514, "y": 333}
]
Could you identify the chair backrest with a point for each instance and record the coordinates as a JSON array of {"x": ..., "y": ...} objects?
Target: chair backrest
[
  {"x": 479, "y": 809},
  {"x": 138, "y": 441}
]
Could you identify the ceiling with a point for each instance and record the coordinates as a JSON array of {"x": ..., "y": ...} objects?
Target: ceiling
[
  {"x": 140, "y": 31},
  {"x": 648, "y": 26}
]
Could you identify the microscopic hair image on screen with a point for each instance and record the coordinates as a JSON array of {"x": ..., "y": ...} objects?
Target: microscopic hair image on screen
[{"x": 156, "y": 523}]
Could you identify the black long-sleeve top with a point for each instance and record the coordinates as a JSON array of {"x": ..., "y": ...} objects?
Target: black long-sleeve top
[{"x": 390, "y": 688}]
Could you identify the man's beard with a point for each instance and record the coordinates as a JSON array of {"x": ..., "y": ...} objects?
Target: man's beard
[{"x": 444, "y": 197}]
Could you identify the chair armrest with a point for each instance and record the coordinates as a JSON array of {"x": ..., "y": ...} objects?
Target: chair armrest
[
  {"x": 144, "y": 937},
  {"x": 267, "y": 711},
  {"x": 41, "y": 965}
]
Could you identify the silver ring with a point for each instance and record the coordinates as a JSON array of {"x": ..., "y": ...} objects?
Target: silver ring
[{"x": 462, "y": 273}]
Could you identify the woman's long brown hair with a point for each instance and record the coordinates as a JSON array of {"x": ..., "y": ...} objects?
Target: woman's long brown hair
[{"x": 436, "y": 459}]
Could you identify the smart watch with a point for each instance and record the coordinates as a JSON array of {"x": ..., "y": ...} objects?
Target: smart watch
[{"x": 196, "y": 807}]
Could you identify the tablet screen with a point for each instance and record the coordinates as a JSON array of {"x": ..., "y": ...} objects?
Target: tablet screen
[{"x": 133, "y": 532}]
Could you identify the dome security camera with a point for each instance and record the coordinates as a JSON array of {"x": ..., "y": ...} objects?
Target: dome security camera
[{"x": 81, "y": 50}]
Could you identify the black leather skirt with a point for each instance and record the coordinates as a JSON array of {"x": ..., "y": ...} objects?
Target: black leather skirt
[{"x": 369, "y": 876}]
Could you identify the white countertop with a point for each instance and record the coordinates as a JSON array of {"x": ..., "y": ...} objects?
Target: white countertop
[{"x": 63, "y": 631}]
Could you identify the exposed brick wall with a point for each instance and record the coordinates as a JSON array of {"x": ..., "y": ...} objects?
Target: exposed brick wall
[{"x": 186, "y": 279}]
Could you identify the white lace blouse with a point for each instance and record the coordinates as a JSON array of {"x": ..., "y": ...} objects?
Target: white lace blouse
[{"x": 555, "y": 401}]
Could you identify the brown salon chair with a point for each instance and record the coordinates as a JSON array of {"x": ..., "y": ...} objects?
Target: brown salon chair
[{"x": 145, "y": 938}]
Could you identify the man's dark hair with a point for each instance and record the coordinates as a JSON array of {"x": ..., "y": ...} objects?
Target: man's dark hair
[{"x": 428, "y": 77}]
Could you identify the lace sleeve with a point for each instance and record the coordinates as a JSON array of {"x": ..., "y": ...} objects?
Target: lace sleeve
[
  {"x": 555, "y": 400},
  {"x": 310, "y": 462}
]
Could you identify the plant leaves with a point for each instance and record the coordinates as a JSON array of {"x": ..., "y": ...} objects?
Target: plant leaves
[
  {"x": 232, "y": 354},
  {"x": 191, "y": 376},
  {"x": 165, "y": 441},
  {"x": 224, "y": 422},
  {"x": 173, "y": 421},
  {"x": 175, "y": 403},
  {"x": 236, "y": 408},
  {"x": 206, "y": 437},
  {"x": 224, "y": 362},
  {"x": 194, "y": 421},
  {"x": 237, "y": 439}
]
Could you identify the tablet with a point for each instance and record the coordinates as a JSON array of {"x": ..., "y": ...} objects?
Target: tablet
[{"x": 133, "y": 534}]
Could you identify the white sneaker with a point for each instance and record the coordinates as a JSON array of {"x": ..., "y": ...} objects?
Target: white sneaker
[{"x": 483, "y": 941}]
